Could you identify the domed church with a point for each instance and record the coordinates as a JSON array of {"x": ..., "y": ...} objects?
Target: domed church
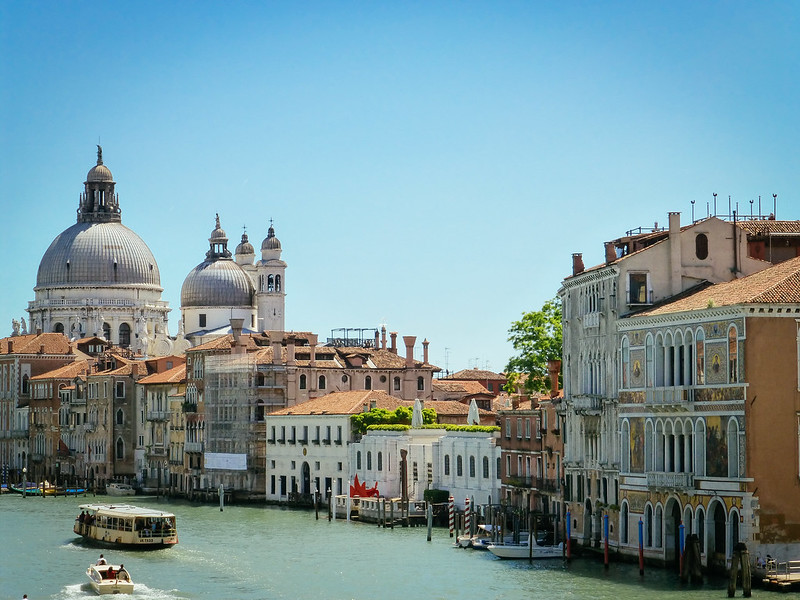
[
  {"x": 216, "y": 291},
  {"x": 99, "y": 278}
]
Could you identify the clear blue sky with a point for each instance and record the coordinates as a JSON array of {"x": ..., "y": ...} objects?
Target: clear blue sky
[{"x": 431, "y": 165}]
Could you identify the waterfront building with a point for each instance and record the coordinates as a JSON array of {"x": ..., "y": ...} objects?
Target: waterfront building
[
  {"x": 642, "y": 268},
  {"x": 161, "y": 462},
  {"x": 307, "y": 444},
  {"x": 406, "y": 463},
  {"x": 56, "y": 437},
  {"x": 708, "y": 409},
  {"x": 23, "y": 357},
  {"x": 463, "y": 391},
  {"x": 99, "y": 278}
]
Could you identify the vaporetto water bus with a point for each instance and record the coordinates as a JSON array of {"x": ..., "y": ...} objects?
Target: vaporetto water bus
[{"x": 123, "y": 525}]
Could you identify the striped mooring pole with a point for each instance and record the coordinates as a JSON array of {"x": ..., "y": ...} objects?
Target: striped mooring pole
[
  {"x": 451, "y": 508},
  {"x": 467, "y": 517}
]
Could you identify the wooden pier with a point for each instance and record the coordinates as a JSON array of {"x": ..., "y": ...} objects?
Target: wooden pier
[{"x": 782, "y": 575}]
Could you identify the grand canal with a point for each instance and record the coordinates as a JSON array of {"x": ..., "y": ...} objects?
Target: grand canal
[{"x": 258, "y": 553}]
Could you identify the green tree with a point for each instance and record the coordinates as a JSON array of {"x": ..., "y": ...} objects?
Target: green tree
[{"x": 536, "y": 338}]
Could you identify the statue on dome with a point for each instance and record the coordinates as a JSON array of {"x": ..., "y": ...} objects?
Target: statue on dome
[
  {"x": 24, "y": 326},
  {"x": 14, "y": 328}
]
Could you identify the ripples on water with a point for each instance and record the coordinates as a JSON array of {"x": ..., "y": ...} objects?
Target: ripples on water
[{"x": 256, "y": 553}]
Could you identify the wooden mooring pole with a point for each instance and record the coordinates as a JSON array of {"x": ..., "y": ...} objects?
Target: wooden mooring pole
[{"x": 740, "y": 561}]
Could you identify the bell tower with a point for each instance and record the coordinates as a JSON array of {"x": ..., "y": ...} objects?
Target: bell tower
[{"x": 271, "y": 284}]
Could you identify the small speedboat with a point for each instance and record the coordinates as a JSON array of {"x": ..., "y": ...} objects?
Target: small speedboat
[
  {"x": 110, "y": 579},
  {"x": 120, "y": 489},
  {"x": 524, "y": 550}
]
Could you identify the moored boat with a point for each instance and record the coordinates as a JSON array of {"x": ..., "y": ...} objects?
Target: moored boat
[
  {"x": 124, "y": 525},
  {"x": 120, "y": 489},
  {"x": 524, "y": 550},
  {"x": 110, "y": 579}
]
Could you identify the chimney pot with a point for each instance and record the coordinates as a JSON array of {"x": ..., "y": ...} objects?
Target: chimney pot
[
  {"x": 409, "y": 341},
  {"x": 611, "y": 252},
  {"x": 393, "y": 347}
]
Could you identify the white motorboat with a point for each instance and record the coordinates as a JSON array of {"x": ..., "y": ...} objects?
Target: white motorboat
[
  {"x": 519, "y": 551},
  {"x": 110, "y": 579},
  {"x": 120, "y": 489}
]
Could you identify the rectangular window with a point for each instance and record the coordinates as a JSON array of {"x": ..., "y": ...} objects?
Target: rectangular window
[
  {"x": 339, "y": 466},
  {"x": 202, "y": 320},
  {"x": 272, "y": 485},
  {"x": 638, "y": 289},
  {"x": 120, "y": 389},
  {"x": 508, "y": 465},
  {"x": 527, "y": 429},
  {"x": 508, "y": 428},
  {"x": 519, "y": 428}
]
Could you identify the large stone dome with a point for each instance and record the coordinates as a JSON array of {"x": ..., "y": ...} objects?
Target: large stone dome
[
  {"x": 98, "y": 254},
  {"x": 217, "y": 283}
]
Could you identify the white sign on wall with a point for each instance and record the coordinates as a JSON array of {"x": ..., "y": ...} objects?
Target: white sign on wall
[{"x": 228, "y": 462}]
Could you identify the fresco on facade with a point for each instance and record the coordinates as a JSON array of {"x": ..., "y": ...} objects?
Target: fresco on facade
[
  {"x": 717, "y": 362},
  {"x": 637, "y": 368},
  {"x": 637, "y": 444},
  {"x": 717, "y": 446}
]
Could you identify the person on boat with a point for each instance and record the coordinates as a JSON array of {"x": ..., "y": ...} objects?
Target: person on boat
[
  {"x": 122, "y": 573},
  {"x": 111, "y": 573},
  {"x": 101, "y": 561}
]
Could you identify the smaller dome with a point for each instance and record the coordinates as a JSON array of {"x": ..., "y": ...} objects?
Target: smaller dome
[
  {"x": 218, "y": 233},
  {"x": 271, "y": 242},
  {"x": 217, "y": 283},
  {"x": 99, "y": 172},
  {"x": 245, "y": 247}
]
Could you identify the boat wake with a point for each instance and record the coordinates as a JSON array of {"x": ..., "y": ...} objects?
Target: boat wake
[{"x": 84, "y": 590}]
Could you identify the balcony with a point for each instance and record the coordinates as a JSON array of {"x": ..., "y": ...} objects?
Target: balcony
[
  {"x": 536, "y": 483},
  {"x": 591, "y": 320},
  {"x": 193, "y": 446},
  {"x": 158, "y": 415},
  {"x": 157, "y": 451},
  {"x": 587, "y": 405},
  {"x": 326, "y": 442},
  {"x": 679, "y": 481}
]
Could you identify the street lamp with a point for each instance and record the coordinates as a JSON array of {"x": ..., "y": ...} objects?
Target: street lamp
[{"x": 24, "y": 481}]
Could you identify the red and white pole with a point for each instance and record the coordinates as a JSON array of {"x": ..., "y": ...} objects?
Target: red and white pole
[
  {"x": 451, "y": 509},
  {"x": 467, "y": 518}
]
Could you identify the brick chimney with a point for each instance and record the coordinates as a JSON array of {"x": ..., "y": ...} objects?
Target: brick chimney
[
  {"x": 290, "y": 350},
  {"x": 276, "y": 339},
  {"x": 553, "y": 369},
  {"x": 312, "y": 341},
  {"x": 611, "y": 252},
  {"x": 393, "y": 347},
  {"x": 237, "y": 347},
  {"x": 377, "y": 340},
  {"x": 10, "y": 346},
  {"x": 425, "y": 351},
  {"x": 577, "y": 263},
  {"x": 409, "y": 341},
  {"x": 383, "y": 337},
  {"x": 676, "y": 281}
]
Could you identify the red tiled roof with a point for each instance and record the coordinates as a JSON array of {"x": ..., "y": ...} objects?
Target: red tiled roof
[
  {"x": 173, "y": 375},
  {"x": 475, "y": 375},
  {"x": 69, "y": 371},
  {"x": 343, "y": 403},
  {"x": 768, "y": 227},
  {"x": 53, "y": 343},
  {"x": 777, "y": 284}
]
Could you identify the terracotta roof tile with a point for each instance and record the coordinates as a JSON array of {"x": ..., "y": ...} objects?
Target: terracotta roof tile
[
  {"x": 768, "y": 227},
  {"x": 173, "y": 375},
  {"x": 343, "y": 403},
  {"x": 475, "y": 374},
  {"x": 70, "y": 371},
  {"x": 54, "y": 343},
  {"x": 777, "y": 284}
]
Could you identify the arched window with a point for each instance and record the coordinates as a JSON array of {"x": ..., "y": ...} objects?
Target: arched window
[
  {"x": 648, "y": 526},
  {"x": 420, "y": 384},
  {"x": 124, "y": 335},
  {"x": 120, "y": 417},
  {"x": 58, "y": 328},
  {"x": 270, "y": 284},
  {"x": 26, "y": 385},
  {"x": 486, "y": 467},
  {"x": 701, "y": 246},
  {"x": 277, "y": 283},
  {"x": 369, "y": 461},
  {"x": 472, "y": 466},
  {"x": 396, "y": 384},
  {"x": 650, "y": 359},
  {"x": 120, "y": 449},
  {"x": 262, "y": 283},
  {"x": 657, "y": 526},
  {"x": 659, "y": 361},
  {"x": 733, "y": 448},
  {"x": 459, "y": 466},
  {"x": 358, "y": 460},
  {"x": 368, "y": 383},
  {"x": 733, "y": 356},
  {"x": 447, "y": 464},
  {"x": 303, "y": 382},
  {"x": 700, "y": 357},
  {"x": 322, "y": 382},
  {"x": 626, "y": 446},
  {"x": 380, "y": 461},
  {"x": 106, "y": 331},
  {"x": 700, "y": 448},
  {"x": 626, "y": 363}
]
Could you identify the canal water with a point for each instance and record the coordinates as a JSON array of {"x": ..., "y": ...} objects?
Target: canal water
[{"x": 258, "y": 553}]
